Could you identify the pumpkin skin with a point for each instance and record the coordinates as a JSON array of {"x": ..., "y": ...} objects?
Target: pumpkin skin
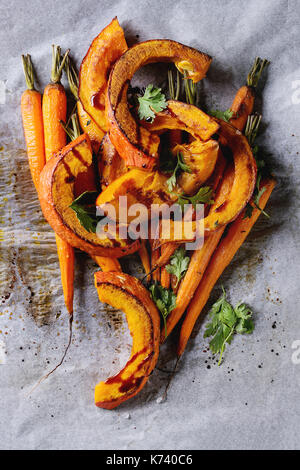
[
  {"x": 242, "y": 188},
  {"x": 110, "y": 165},
  {"x": 105, "y": 49},
  {"x": 134, "y": 142},
  {"x": 56, "y": 193},
  {"x": 89, "y": 127},
  {"x": 128, "y": 294}
]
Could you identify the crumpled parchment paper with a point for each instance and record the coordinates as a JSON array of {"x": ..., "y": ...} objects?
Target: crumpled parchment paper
[{"x": 252, "y": 400}]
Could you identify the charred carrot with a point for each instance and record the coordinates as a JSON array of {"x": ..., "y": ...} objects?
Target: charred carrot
[
  {"x": 229, "y": 245},
  {"x": 31, "y": 109},
  {"x": 242, "y": 105},
  {"x": 55, "y": 110}
]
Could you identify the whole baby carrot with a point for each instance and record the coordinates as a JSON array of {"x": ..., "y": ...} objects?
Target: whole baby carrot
[
  {"x": 55, "y": 110},
  {"x": 31, "y": 110}
]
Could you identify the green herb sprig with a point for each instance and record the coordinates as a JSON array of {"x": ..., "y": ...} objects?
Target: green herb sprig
[
  {"x": 226, "y": 321},
  {"x": 152, "y": 102},
  {"x": 175, "y": 165},
  {"x": 225, "y": 115},
  {"x": 203, "y": 196},
  {"x": 179, "y": 264},
  {"x": 165, "y": 300},
  {"x": 85, "y": 209}
]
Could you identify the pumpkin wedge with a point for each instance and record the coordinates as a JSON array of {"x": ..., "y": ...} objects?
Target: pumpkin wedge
[
  {"x": 133, "y": 142},
  {"x": 126, "y": 293},
  {"x": 184, "y": 117},
  {"x": 105, "y": 49},
  {"x": 56, "y": 192},
  {"x": 201, "y": 159},
  {"x": 139, "y": 186},
  {"x": 89, "y": 127},
  {"x": 110, "y": 165},
  {"x": 242, "y": 187}
]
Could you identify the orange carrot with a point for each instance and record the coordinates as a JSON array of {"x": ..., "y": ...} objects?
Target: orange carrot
[
  {"x": 166, "y": 253},
  {"x": 155, "y": 253},
  {"x": 55, "y": 106},
  {"x": 55, "y": 110},
  {"x": 145, "y": 259},
  {"x": 165, "y": 277},
  {"x": 199, "y": 261},
  {"x": 229, "y": 245},
  {"x": 31, "y": 109},
  {"x": 242, "y": 105}
]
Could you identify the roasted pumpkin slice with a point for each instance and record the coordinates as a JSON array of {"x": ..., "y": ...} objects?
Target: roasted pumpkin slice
[
  {"x": 242, "y": 187},
  {"x": 201, "y": 158},
  {"x": 56, "y": 192},
  {"x": 139, "y": 186},
  {"x": 184, "y": 117},
  {"x": 133, "y": 142},
  {"x": 105, "y": 49},
  {"x": 126, "y": 293},
  {"x": 111, "y": 166},
  {"x": 89, "y": 126}
]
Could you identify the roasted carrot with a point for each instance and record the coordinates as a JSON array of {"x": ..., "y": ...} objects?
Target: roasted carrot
[
  {"x": 199, "y": 261},
  {"x": 242, "y": 105},
  {"x": 145, "y": 259},
  {"x": 165, "y": 277},
  {"x": 55, "y": 106},
  {"x": 55, "y": 110},
  {"x": 167, "y": 252},
  {"x": 155, "y": 253},
  {"x": 229, "y": 245},
  {"x": 31, "y": 109}
]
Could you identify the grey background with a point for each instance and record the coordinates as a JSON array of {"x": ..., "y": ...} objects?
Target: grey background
[{"x": 252, "y": 400}]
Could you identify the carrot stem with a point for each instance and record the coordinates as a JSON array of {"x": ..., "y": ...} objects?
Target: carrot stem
[
  {"x": 28, "y": 71},
  {"x": 256, "y": 71},
  {"x": 58, "y": 63}
]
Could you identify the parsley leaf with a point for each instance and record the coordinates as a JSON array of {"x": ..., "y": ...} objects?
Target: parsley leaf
[
  {"x": 180, "y": 165},
  {"x": 225, "y": 115},
  {"x": 178, "y": 264},
  {"x": 152, "y": 102},
  {"x": 85, "y": 209},
  {"x": 165, "y": 300},
  {"x": 225, "y": 322},
  {"x": 203, "y": 196}
]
